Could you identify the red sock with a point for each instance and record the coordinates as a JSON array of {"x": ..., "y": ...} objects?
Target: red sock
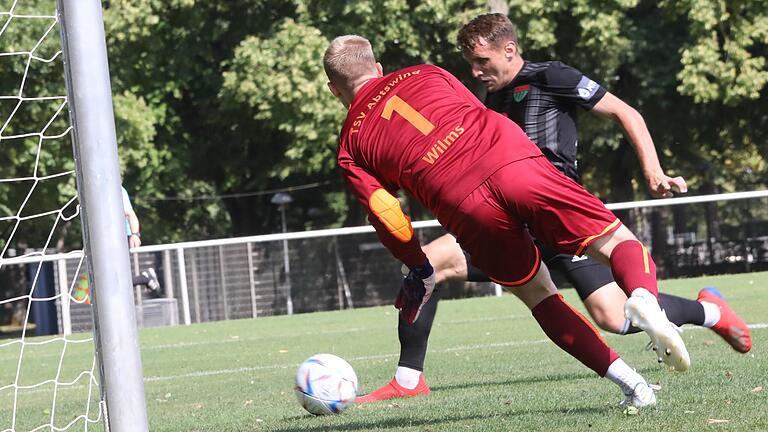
[
  {"x": 573, "y": 333},
  {"x": 633, "y": 267}
]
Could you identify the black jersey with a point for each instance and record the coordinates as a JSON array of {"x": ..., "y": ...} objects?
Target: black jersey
[{"x": 542, "y": 100}]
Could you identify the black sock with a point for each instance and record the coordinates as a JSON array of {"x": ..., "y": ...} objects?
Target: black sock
[
  {"x": 679, "y": 311},
  {"x": 140, "y": 280},
  {"x": 414, "y": 337}
]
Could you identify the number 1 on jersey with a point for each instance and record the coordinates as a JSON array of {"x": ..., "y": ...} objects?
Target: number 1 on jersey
[{"x": 408, "y": 113}]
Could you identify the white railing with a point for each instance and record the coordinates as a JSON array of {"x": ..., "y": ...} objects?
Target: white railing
[
  {"x": 35, "y": 256},
  {"x": 188, "y": 278}
]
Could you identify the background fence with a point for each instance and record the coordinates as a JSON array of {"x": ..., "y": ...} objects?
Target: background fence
[{"x": 246, "y": 277}]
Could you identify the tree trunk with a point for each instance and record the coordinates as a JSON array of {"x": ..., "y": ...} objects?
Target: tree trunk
[
  {"x": 498, "y": 6},
  {"x": 621, "y": 181},
  {"x": 713, "y": 221},
  {"x": 665, "y": 264}
]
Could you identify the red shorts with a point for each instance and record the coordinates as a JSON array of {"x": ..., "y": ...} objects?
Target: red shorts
[{"x": 495, "y": 222}]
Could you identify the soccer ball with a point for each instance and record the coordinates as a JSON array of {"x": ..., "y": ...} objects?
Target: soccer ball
[{"x": 325, "y": 384}]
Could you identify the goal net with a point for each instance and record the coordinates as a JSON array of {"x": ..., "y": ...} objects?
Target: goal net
[{"x": 50, "y": 378}]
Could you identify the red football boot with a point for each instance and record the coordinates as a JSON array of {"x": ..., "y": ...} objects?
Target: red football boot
[
  {"x": 730, "y": 326},
  {"x": 394, "y": 390}
]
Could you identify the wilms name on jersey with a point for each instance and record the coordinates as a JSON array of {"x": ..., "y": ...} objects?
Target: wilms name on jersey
[{"x": 443, "y": 145}]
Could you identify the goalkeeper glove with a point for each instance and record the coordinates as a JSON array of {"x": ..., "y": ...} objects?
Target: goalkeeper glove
[{"x": 416, "y": 290}]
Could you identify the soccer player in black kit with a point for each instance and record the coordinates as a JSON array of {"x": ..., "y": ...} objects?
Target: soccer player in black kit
[{"x": 542, "y": 98}]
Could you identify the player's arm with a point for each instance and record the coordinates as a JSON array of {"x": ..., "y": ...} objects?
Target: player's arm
[
  {"x": 133, "y": 223},
  {"x": 395, "y": 231},
  {"x": 659, "y": 184},
  {"x": 393, "y": 227},
  {"x": 134, "y": 240},
  {"x": 575, "y": 87}
]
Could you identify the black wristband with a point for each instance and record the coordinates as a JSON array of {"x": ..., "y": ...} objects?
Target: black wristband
[
  {"x": 137, "y": 234},
  {"x": 423, "y": 271}
]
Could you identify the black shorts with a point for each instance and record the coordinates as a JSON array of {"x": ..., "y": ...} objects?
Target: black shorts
[{"x": 584, "y": 273}]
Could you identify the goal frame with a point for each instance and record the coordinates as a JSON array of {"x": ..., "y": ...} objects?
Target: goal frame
[{"x": 89, "y": 96}]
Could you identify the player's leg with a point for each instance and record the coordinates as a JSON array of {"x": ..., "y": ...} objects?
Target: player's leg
[
  {"x": 630, "y": 262},
  {"x": 635, "y": 272},
  {"x": 474, "y": 274},
  {"x": 595, "y": 286},
  {"x": 571, "y": 331},
  {"x": 141, "y": 280},
  {"x": 724, "y": 321},
  {"x": 709, "y": 310},
  {"x": 409, "y": 377},
  {"x": 562, "y": 324},
  {"x": 153, "y": 284},
  {"x": 449, "y": 263},
  {"x": 500, "y": 245},
  {"x": 605, "y": 305},
  {"x": 147, "y": 278},
  {"x": 602, "y": 297},
  {"x": 563, "y": 215},
  {"x": 447, "y": 259}
]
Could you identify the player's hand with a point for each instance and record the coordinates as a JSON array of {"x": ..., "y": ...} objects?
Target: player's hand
[
  {"x": 663, "y": 186},
  {"x": 134, "y": 241},
  {"x": 416, "y": 290}
]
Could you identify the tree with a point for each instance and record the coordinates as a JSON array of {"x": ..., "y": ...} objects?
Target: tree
[
  {"x": 170, "y": 55},
  {"x": 220, "y": 104},
  {"x": 240, "y": 102}
]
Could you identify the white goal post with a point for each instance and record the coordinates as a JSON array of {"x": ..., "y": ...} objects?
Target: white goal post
[
  {"x": 98, "y": 180},
  {"x": 56, "y": 382}
]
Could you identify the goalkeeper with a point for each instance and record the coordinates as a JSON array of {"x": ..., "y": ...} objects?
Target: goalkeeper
[{"x": 419, "y": 129}]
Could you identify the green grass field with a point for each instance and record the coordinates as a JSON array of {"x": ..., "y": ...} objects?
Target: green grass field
[{"x": 490, "y": 368}]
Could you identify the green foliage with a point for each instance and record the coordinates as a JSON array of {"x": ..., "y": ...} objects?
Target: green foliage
[
  {"x": 135, "y": 123},
  {"x": 724, "y": 59},
  {"x": 721, "y": 83},
  {"x": 171, "y": 55},
  {"x": 218, "y": 98},
  {"x": 295, "y": 100},
  {"x": 401, "y": 32}
]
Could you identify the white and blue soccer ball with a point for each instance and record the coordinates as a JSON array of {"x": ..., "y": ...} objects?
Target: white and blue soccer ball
[{"x": 325, "y": 384}]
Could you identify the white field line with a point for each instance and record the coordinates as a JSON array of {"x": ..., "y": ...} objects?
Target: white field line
[
  {"x": 360, "y": 358},
  {"x": 293, "y": 365},
  {"x": 240, "y": 339},
  {"x": 233, "y": 339},
  {"x": 755, "y": 326}
]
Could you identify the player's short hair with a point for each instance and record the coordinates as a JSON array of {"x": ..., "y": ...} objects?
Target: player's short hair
[
  {"x": 347, "y": 58},
  {"x": 496, "y": 28}
]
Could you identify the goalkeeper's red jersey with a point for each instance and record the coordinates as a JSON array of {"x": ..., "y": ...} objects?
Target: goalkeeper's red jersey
[{"x": 421, "y": 130}]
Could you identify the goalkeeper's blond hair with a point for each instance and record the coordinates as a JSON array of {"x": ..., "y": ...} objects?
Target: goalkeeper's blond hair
[{"x": 348, "y": 58}]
